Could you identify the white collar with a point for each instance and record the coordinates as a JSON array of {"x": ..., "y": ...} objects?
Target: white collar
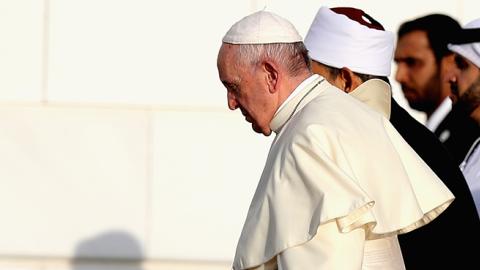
[
  {"x": 297, "y": 90},
  {"x": 437, "y": 116},
  {"x": 376, "y": 94}
]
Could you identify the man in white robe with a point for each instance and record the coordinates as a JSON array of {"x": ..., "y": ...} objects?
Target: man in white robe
[
  {"x": 321, "y": 199},
  {"x": 353, "y": 51},
  {"x": 464, "y": 78}
]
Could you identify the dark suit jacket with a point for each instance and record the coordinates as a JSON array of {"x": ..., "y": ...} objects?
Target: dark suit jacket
[
  {"x": 448, "y": 239},
  {"x": 461, "y": 132}
]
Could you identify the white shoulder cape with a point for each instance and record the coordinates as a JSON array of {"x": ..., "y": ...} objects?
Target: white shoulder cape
[{"x": 334, "y": 158}]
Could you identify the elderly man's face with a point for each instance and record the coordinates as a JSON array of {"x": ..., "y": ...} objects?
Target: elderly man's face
[
  {"x": 246, "y": 89},
  {"x": 418, "y": 72},
  {"x": 464, "y": 80}
]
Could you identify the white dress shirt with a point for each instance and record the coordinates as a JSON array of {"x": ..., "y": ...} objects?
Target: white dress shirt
[{"x": 437, "y": 116}]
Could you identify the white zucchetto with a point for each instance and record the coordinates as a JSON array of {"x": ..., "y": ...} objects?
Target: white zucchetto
[
  {"x": 471, "y": 51},
  {"x": 338, "y": 41},
  {"x": 262, "y": 27}
]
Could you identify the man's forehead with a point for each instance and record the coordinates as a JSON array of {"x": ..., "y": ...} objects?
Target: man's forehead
[
  {"x": 227, "y": 51},
  {"x": 415, "y": 38},
  {"x": 412, "y": 54},
  {"x": 228, "y": 70}
]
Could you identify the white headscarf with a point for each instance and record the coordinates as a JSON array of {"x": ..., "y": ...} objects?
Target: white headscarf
[
  {"x": 471, "y": 51},
  {"x": 262, "y": 27},
  {"x": 336, "y": 40}
]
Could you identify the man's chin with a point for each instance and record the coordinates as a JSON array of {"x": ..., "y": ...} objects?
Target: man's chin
[
  {"x": 410, "y": 96},
  {"x": 265, "y": 132}
]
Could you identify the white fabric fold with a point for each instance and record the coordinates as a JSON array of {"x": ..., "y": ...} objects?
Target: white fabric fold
[
  {"x": 335, "y": 40},
  {"x": 335, "y": 159},
  {"x": 376, "y": 94}
]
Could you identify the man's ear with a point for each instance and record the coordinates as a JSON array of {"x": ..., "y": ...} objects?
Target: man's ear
[
  {"x": 271, "y": 72},
  {"x": 348, "y": 78}
]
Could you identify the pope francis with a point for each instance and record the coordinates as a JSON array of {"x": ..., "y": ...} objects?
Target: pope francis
[{"x": 339, "y": 183}]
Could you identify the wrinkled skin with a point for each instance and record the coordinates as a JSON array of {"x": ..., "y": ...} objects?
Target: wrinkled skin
[{"x": 247, "y": 89}]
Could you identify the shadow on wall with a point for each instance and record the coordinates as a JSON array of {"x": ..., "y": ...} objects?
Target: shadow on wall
[{"x": 114, "y": 250}]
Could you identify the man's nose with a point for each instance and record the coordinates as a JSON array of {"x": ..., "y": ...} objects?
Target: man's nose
[
  {"x": 450, "y": 77},
  {"x": 400, "y": 73},
  {"x": 232, "y": 102}
]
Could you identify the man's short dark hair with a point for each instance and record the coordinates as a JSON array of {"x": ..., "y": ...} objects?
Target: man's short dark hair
[{"x": 440, "y": 29}]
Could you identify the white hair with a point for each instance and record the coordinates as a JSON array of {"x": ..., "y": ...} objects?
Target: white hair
[{"x": 292, "y": 56}]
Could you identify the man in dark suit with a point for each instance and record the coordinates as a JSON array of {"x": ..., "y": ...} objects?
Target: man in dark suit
[
  {"x": 458, "y": 132},
  {"x": 362, "y": 72},
  {"x": 422, "y": 57}
]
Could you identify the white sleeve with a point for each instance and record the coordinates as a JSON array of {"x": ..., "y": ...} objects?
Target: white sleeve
[
  {"x": 329, "y": 249},
  {"x": 383, "y": 253}
]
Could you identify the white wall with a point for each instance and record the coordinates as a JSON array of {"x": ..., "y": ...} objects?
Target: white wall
[{"x": 117, "y": 150}]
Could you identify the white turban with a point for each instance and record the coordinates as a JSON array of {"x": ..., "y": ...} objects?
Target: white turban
[
  {"x": 471, "y": 51},
  {"x": 262, "y": 27},
  {"x": 336, "y": 40}
]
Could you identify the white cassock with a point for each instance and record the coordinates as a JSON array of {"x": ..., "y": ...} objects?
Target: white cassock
[{"x": 338, "y": 185}]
